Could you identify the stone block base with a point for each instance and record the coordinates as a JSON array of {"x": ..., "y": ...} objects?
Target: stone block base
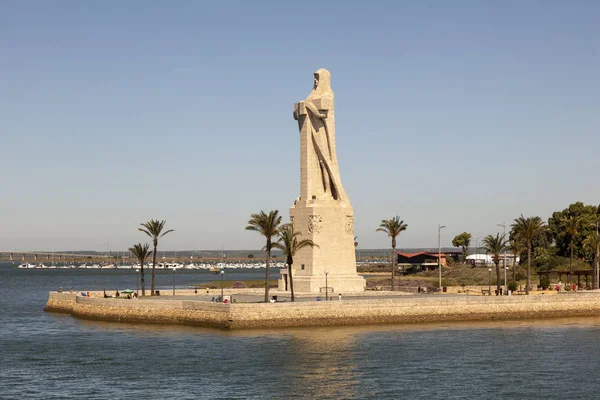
[{"x": 336, "y": 284}]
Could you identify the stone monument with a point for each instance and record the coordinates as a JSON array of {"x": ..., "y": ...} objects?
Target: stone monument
[{"x": 323, "y": 212}]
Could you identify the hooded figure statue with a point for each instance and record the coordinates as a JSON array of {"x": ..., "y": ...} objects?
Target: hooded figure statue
[{"x": 316, "y": 119}]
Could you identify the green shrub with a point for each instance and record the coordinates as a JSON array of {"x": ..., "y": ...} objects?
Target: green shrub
[
  {"x": 544, "y": 282},
  {"x": 512, "y": 286}
]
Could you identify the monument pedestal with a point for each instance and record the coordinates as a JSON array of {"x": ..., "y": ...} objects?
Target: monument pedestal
[{"x": 330, "y": 225}]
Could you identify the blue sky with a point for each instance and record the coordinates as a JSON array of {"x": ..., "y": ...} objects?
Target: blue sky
[{"x": 463, "y": 113}]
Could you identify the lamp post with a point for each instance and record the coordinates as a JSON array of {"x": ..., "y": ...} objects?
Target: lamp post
[
  {"x": 595, "y": 277},
  {"x": 440, "y": 227},
  {"x": 489, "y": 281},
  {"x": 505, "y": 284},
  {"x": 137, "y": 285},
  {"x": 503, "y": 225},
  {"x": 326, "y": 287},
  {"x": 173, "y": 281},
  {"x": 597, "y": 254},
  {"x": 222, "y": 273},
  {"x": 476, "y": 248}
]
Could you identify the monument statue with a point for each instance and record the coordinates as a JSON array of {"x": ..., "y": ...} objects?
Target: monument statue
[
  {"x": 323, "y": 212},
  {"x": 316, "y": 116}
]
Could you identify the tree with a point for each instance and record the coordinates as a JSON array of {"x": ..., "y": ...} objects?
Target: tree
[
  {"x": 571, "y": 228},
  {"x": 463, "y": 240},
  {"x": 495, "y": 245},
  {"x": 592, "y": 244},
  {"x": 516, "y": 247},
  {"x": 268, "y": 226},
  {"x": 141, "y": 252},
  {"x": 154, "y": 229},
  {"x": 526, "y": 229},
  {"x": 289, "y": 244},
  {"x": 393, "y": 227},
  {"x": 557, "y": 229}
]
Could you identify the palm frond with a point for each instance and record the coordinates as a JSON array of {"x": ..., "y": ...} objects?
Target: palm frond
[
  {"x": 154, "y": 228},
  {"x": 141, "y": 251},
  {"x": 495, "y": 244},
  {"x": 169, "y": 231}
]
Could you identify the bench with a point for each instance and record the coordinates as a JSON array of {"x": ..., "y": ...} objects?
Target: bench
[{"x": 485, "y": 292}]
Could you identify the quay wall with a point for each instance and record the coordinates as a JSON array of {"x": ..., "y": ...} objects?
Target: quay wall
[{"x": 400, "y": 310}]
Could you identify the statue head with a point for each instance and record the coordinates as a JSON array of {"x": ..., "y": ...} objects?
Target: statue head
[{"x": 322, "y": 81}]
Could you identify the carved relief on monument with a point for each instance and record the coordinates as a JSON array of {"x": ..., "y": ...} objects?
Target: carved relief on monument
[
  {"x": 314, "y": 224},
  {"x": 349, "y": 225}
]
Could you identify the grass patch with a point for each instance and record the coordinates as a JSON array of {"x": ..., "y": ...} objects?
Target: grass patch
[{"x": 456, "y": 275}]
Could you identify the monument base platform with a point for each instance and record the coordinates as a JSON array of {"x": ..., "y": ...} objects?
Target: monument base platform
[{"x": 335, "y": 283}]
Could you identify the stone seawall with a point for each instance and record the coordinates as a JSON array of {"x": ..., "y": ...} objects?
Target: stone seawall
[{"x": 333, "y": 313}]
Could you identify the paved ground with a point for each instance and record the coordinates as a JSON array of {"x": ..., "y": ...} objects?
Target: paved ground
[{"x": 249, "y": 298}]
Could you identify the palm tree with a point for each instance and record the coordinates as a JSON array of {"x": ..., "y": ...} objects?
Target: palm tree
[
  {"x": 288, "y": 243},
  {"x": 154, "y": 229},
  {"x": 268, "y": 226},
  {"x": 141, "y": 252},
  {"x": 495, "y": 245},
  {"x": 592, "y": 244},
  {"x": 392, "y": 227},
  {"x": 516, "y": 247},
  {"x": 571, "y": 228},
  {"x": 527, "y": 229}
]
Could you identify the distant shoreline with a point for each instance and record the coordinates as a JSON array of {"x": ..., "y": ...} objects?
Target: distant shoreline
[{"x": 396, "y": 310}]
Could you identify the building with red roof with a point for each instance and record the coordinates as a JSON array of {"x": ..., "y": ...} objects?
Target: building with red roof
[{"x": 421, "y": 261}]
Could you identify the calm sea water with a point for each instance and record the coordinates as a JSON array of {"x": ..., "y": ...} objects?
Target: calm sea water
[{"x": 52, "y": 356}]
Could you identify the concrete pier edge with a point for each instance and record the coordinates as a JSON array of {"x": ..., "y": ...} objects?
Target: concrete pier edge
[{"x": 399, "y": 310}]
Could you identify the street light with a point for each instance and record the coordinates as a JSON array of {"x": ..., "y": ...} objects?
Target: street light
[
  {"x": 173, "y": 281},
  {"x": 440, "y": 227},
  {"x": 137, "y": 285},
  {"x": 476, "y": 248},
  {"x": 490, "y": 282},
  {"x": 596, "y": 278},
  {"x": 505, "y": 285},
  {"x": 597, "y": 252},
  {"x": 326, "y": 287},
  {"x": 222, "y": 273},
  {"x": 503, "y": 225}
]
